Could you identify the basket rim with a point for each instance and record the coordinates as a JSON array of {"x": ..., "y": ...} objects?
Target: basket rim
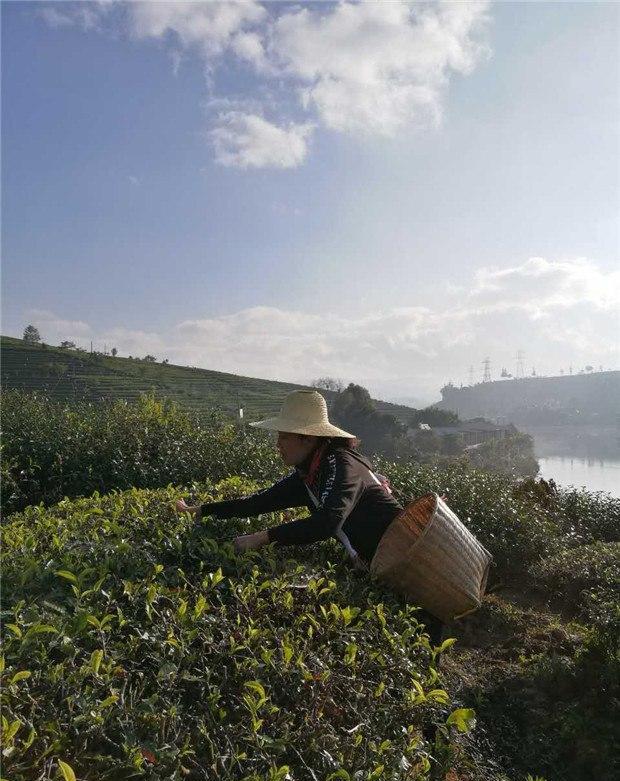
[{"x": 425, "y": 530}]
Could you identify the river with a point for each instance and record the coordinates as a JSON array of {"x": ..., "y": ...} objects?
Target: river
[{"x": 583, "y": 456}]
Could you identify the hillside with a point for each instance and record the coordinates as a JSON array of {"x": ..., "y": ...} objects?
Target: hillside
[
  {"x": 575, "y": 399},
  {"x": 75, "y": 374}
]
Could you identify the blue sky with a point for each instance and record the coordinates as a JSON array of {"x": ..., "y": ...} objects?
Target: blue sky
[{"x": 383, "y": 193}]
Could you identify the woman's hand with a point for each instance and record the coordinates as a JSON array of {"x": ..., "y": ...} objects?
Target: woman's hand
[
  {"x": 254, "y": 541},
  {"x": 192, "y": 509}
]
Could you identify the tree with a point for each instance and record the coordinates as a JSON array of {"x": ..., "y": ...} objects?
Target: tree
[
  {"x": 114, "y": 352},
  {"x": 354, "y": 411},
  {"x": 589, "y": 369},
  {"x": 452, "y": 444},
  {"x": 434, "y": 417},
  {"x": 31, "y": 334},
  {"x": 427, "y": 441},
  {"x": 149, "y": 358},
  {"x": 329, "y": 383},
  {"x": 68, "y": 345}
]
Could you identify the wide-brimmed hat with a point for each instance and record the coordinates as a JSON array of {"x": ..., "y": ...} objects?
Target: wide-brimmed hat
[{"x": 304, "y": 412}]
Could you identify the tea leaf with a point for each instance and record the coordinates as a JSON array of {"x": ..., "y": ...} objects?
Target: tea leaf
[
  {"x": 63, "y": 573},
  {"x": 463, "y": 719},
  {"x": 67, "y": 771},
  {"x": 22, "y": 675},
  {"x": 95, "y": 660}
]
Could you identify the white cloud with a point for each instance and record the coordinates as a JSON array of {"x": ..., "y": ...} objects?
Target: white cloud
[
  {"x": 211, "y": 27},
  {"x": 539, "y": 286},
  {"x": 412, "y": 350},
  {"x": 88, "y": 16},
  {"x": 55, "y": 329},
  {"x": 374, "y": 68},
  {"x": 362, "y": 68},
  {"x": 249, "y": 141}
]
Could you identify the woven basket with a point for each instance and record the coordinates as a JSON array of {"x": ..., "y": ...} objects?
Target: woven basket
[{"x": 430, "y": 557}]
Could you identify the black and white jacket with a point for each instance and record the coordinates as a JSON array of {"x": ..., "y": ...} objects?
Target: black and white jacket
[{"x": 346, "y": 500}]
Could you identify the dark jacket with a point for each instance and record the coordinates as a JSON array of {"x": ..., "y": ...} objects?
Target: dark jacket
[{"x": 347, "y": 501}]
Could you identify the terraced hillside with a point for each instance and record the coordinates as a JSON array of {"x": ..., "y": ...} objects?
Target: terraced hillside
[{"x": 76, "y": 374}]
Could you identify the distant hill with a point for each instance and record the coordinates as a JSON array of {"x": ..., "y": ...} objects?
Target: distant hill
[
  {"x": 576, "y": 399},
  {"x": 66, "y": 374}
]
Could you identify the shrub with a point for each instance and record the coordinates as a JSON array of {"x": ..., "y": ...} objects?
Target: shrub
[
  {"x": 138, "y": 643},
  {"x": 52, "y": 449}
]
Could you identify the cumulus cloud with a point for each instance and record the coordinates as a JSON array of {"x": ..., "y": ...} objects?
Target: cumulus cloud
[
  {"x": 403, "y": 350},
  {"x": 373, "y": 68},
  {"x": 540, "y": 286},
  {"x": 362, "y": 68},
  {"x": 53, "y": 327},
  {"x": 250, "y": 141},
  {"x": 211, "y": 27}
]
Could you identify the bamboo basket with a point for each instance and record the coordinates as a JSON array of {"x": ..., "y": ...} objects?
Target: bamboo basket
[{"x": 430, "y": 557}]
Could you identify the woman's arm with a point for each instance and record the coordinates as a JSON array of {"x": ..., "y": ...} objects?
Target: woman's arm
[{"x": 288, "y": 492}]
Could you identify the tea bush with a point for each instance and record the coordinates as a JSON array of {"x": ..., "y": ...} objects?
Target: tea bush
[
  {"x": 515, "y": 530},
  {"x": 588, "y": 579},
  {"x": 137, "y": 644},
  {"x": 52, "y": 449},
  {"x": 570, "y": 572},
  {"x": 588, "y": 516}
]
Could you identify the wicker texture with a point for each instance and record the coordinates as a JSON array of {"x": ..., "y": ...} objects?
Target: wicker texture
[{"x": 430, "y": 557}]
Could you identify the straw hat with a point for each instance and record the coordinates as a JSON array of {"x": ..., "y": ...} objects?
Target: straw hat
[{"x": 303, "y": 412}]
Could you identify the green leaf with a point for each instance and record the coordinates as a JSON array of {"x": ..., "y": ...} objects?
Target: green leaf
[
  {"x": 287, "y": 652},
  {"x": 39, "y": 629},
  {"x": 30, "y": 739},
  {"x": 257, "y": 687},
  {"x": 439, "y": 695},
  {"x": 340, "y": 773},
  {"x": 108, "y": 701},
  {"x": 20, "y": 676},
  {"x": 94, "y": 621},
  {"x": 11, "y": 730},
  {"x": 15, "y": 629},
  {"x": 95, "y": 660},
  {"x": 67, "y": 771},
  {"x": 463, "y": 719},
  {"x": 64, "y": 573},
  {"x": 200, "y": 605},
  {"x": 1, "y": 664},
  {"x": 446, "y": 644}
]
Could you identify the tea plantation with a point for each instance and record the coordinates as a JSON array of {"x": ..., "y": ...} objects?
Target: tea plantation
[
  {"x": 137, "y": 644},
  {"x": 72, "y": 375}
]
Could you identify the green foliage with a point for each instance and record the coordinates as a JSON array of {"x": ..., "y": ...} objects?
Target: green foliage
[
  {"x": 354, "y": 410},
  {"x": 52, "y": 450},
  {"x": 434, "y": 417},
  {"x": 588, "y": 579},
  {"x": 513, "y": 455},
  {"x": 137, "y": 643},
  {"x": 31, "y": 334},
  {"x": 515, "y": 530},
  {"x": 588, "y": 516},
  {"x": 570, "y": 572}
]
